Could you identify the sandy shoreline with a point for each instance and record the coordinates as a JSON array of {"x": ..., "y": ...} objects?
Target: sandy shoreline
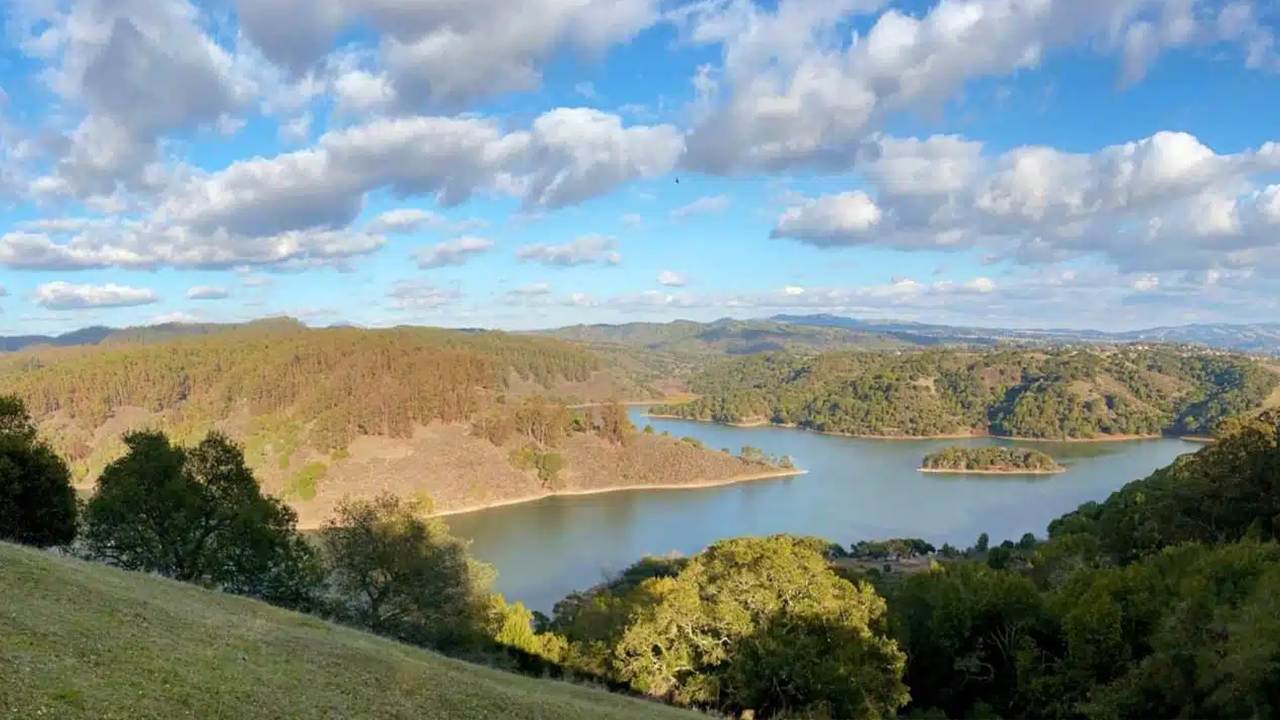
[
  {"x": 949, "y": 471},
  {"x": 769, "y": 475},
  {"x": 944, "y": 436}
]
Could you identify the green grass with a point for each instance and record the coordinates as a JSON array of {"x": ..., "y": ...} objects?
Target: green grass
[{"x": 80, "y": 640}]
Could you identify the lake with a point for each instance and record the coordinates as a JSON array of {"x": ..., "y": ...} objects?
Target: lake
[{"x": 855, "y": 490}]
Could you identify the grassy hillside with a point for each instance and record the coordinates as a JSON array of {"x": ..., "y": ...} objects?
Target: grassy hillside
[
  {"x": 79, "y": 640},
  {"x": 1051, "y": 393}
]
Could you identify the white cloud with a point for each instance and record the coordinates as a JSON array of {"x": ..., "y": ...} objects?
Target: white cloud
[
  {"x": 452, "y": 252},
  {"x": 1162, "y": 202},
  {"x": 138, "y": 69},
  {"x": 702, "y": 206},
  {"x": 830, "y": 220},
  {"x": 796, "y": 87},
  {"x": 587, "y": 249},
  {"x": 632, "y": 220},
  {"x": 207, "y": 292},
  {"x": 67, "y": 296},
  {"x": 405, "y": 220},
  {"x": 671, "y": 278},
  {"x": 418, "y": 296},
  {"x": 176, "y": 317},
  {"x": 567, "y": 156},
  {"x": 445, "y": 53}
]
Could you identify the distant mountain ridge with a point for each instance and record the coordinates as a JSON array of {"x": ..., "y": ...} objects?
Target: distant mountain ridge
[
  {"x": 744, "y": 337},
  {"x": 99, "y": 334},
  {"x": 1263, "y": 338}
]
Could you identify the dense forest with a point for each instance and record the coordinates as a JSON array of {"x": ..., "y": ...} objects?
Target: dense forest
[
  {"x": 989, "y": 459},
  {"x": 287, "y": 385},
  {"x": 1062, "y": 393}
]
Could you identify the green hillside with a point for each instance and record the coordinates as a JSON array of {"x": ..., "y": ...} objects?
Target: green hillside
[
  {"x": 79, "y": 640},
  {"x": 1054, "y": 393}
]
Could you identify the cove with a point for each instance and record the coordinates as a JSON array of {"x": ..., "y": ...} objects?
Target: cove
[{"x": 856, "y": 489}]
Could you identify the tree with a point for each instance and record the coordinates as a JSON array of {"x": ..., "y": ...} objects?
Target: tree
[
  {"x": 197, "y": 515},
  {"x": 983, "y": 542},
  {"x": 399, "y": 573},
  {"x": 762, "y": 624},
  {"x": 37, "y": 502},
  {"x": 962, "y": 625},
  {"x": 615, "y": 426}
]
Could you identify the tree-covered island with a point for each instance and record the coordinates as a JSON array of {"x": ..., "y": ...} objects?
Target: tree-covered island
[{"x": 993, "y": 460}]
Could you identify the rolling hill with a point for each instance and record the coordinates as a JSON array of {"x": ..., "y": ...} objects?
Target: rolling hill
[
  {"x": 80, "y": 640},
  {"x": 327, "y": 413},
  {"x": 1047, "y": 393}
]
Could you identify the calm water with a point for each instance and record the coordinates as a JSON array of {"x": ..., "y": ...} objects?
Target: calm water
[{"x": 855, "y": 490}]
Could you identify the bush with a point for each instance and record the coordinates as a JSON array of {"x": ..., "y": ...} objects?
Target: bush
[
  {"x": 198, "y": 515},
  {"x": 400, "y": 574},
  {"x": 37, "y": 502}
]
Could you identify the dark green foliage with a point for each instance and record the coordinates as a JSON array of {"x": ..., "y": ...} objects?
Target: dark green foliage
[
  {"x": 990, "y": 459},
  {"x": 400, "y": 573},
  {"x": 899, "y": 547},
  {"x": 37, "y": 502},
  {"x": 197, "y": 515},
  {"x": 1158, "y": 602},
  {"x": 1076, "y": 393},
  {"x": 963, "y": 626},
  {"x": 1223, "y": 493}
]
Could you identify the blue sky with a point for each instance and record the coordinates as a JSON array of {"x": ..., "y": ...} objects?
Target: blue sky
[{"x": 995, "y": 162}]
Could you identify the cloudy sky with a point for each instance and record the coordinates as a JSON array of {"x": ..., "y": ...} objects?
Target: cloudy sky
[{"x": 1087, "y": 163}]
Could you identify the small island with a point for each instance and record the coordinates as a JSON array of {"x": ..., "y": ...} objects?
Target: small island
[{"x": 990, "y": 460}]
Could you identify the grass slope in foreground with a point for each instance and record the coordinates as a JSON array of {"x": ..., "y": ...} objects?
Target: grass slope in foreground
[{"x": 79, "y": 640}]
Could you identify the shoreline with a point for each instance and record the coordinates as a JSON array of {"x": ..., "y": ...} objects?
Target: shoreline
[
  {"x": 736, "y": 479},
  {"x": 942, "y": 436},
  {"x": 949, "y": 471}
]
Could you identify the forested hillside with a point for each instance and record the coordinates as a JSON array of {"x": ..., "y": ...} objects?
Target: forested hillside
[
  {"x": 1159, "y": 602},
  {"x": 1075, "y": 393},
  {"x": 327, "y": 412}
]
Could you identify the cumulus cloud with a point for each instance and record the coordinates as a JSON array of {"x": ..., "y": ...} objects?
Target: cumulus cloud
[
  {"x": 452, "y": 252},
  {"x": 296, "y": 208},
  {"x": 61, "y": 295},
  {"x": 671, "y": 278},
  {"x": 585, "y": 250},
  {"x": 138, "y": 69},
  {"x": 443, "y": 54},
  {"x": 146, "y": 244},
  {"x": 207, "y": 292},
  {"x": 830, "y": 220},
  {"x": 702, "y": 206},
  {"x": 568, "y": 155},
  {"x": 796, "y": 87},
  {"x": 1162, "y": 202}
]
